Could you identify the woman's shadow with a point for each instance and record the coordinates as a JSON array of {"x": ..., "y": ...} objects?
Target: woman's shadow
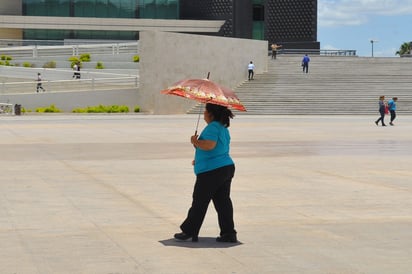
[{"x": 204, "y": 242}]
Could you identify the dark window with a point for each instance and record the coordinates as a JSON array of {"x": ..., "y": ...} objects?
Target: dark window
[{"x": 258, "y": 13}]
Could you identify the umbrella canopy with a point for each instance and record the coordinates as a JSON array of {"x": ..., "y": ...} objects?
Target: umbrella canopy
[{"x": 205, "y": 91}]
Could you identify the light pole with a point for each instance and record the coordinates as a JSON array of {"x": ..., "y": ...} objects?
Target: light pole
[{"x": 373, "y": 41}]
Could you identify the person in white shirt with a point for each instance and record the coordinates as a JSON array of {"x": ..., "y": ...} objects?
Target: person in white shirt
[
  {"x": 39, "y": 83},
  {"x": 251, "y": 68},
  {"x": 76, "y": 68}
]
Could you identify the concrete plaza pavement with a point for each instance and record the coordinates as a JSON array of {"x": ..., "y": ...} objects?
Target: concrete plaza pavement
[{"x": 106, "y": 193}]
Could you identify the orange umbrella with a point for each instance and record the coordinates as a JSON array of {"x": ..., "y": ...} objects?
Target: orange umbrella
[{"x": 205, "y": 91}]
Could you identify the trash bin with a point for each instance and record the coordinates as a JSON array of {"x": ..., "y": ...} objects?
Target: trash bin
[{"x": 17, "y": 109}]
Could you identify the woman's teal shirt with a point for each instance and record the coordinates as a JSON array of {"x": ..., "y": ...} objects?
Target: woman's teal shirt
[{"x": 206, "y": 160}]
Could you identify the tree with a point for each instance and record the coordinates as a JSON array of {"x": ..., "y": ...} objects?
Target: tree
[{"x": 404, "y": 49}]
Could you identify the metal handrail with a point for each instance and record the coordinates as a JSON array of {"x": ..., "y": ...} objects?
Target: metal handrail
[
  {"x": 34, "y": 49},
  {"x": 91, "y": 84},
  {"x": 324, "y": 52}
]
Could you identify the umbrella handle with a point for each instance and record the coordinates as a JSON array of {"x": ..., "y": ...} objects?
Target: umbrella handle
[{"x": 197, "y": 124}]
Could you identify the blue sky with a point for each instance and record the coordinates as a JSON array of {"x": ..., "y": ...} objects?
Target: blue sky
[{"x": 352, "y": 24}]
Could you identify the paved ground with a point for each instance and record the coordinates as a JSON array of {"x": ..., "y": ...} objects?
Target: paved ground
[{"x": 105, "y": 194}]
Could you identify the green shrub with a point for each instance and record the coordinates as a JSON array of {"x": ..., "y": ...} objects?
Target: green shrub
[
  {"x": 102, "y": 109},
  {"x": 24, "y": 110},
  {"x": 85, "y": 57},
  {"x": 50, "y": 109},
  {"x": 28, "y": 65},
  {"x": 99, "y": 65},
  {"x": 50, "y": 64},
  {"x": 136, "y": 109},
  {"x": 136, "y": 58},
  {"x": 74, "y": 60},
  {"x": 79, "y": 110},
  {"x": 6, "y": 58}
]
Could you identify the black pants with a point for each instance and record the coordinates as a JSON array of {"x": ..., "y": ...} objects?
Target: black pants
[
  {"x": 305, "y": 67},
  {"x": 382, "y": 118},
  {"x": 250, "y": 76},
  {"x": 393, "y": 115},
  {"x": 39, "y": 86},
  {"x": 212, "y": 185}
]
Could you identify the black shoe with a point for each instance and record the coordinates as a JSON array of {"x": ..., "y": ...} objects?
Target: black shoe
[
  {"x": 184, "y": 237},
  {"x": 376, "y": 122},
  {"x": 227, "y": 238},
  {"x": 391, "y": 124},
  {"x": 384, "y": 125}
]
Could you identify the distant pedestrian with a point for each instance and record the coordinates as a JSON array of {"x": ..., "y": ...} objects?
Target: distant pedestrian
[
  {"x": 382, "y": 106},
  {"x": 392, "y": 109},
  {"x": 305, "y": 63},
  {"x": 76, "y": 68},
  {"x": 39, "y": 83},
  {"x": 251, "y": 68},
  {"x": 275, "y": 48}
]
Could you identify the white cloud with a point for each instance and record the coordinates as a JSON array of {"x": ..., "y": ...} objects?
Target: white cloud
[{"x": 357, "y": 12}]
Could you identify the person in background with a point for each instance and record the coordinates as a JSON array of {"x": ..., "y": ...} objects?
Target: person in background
[
  {"x": 382, "y": 107},
  {"x": 275, "y": 48},
  {"x": 214, "y": 169},
  {"x": 39, "y": 83},
  {"x": 76, "y": 69},
  {"x": 305, "y": 63},
  {"x": 251, "y": 68},
  {"x": 392, "y": 109}
]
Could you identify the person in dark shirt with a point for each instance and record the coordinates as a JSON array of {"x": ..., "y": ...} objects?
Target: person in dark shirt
[
  {"x": 305, "y": 63},
  {"x": 382, "y": 107}
]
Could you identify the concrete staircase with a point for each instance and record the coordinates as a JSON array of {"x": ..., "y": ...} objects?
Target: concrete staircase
[{"x": 334, "y": 86}]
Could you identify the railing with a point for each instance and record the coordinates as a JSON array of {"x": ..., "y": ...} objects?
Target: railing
[
  {"x": 35, "y": 48},
  {"x": 6, "y": 108},
  {"x": 324, "y": 52},
  {"x": 65, "y": 42},
  {"x": 91, "y": 84}
]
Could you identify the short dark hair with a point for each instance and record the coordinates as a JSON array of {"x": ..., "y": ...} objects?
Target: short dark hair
[{"x": 220, "y": 113}]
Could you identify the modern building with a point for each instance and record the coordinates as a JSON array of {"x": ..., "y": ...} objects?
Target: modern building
[{"x": 291, "y": 23}]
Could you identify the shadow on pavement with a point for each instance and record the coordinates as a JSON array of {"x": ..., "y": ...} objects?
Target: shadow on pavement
[{"x": 204, "y": 242}]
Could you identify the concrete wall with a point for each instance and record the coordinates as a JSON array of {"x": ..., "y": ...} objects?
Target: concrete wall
[
  {"x": 16, "y": 34},
  {"x": 11, "y": 8},
  {"x": 115, "y": 24},
  {"x": 169, "y": 57},
  {"x": 67, "y": 101}
]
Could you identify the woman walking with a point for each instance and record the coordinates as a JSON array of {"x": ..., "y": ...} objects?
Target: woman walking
[
  {"x": 214, "y": 169},
  {"x": 382, "y": 107},
  {"x": 392, "y": 109}
]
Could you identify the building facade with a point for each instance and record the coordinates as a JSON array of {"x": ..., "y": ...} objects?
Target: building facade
[{"x": 291, "y": 23}]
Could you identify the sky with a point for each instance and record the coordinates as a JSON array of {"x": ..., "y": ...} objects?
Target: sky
[{"x": 352, "y": 24}]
